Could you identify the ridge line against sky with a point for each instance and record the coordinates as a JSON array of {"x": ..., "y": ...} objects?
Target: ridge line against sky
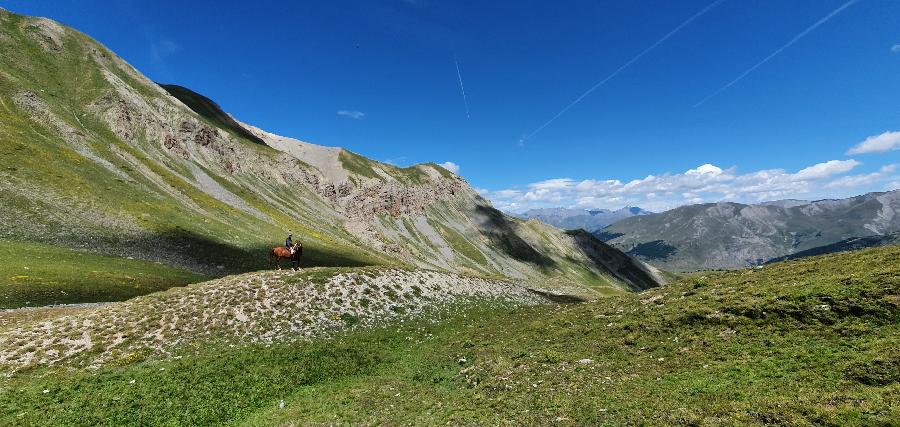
[
  {"x": 621, "y": 68},
  {"x": 374, "y": 78}
]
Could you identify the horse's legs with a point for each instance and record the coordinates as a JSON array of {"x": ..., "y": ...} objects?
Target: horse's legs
[{"x": 277, "y": 262}]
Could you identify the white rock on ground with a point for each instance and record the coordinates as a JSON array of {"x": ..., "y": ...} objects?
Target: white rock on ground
[{"x": 251, "y": 308}]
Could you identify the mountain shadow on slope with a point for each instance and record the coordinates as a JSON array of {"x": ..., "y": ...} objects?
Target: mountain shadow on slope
[
  {"x": 656, "y": 249},
  {"x": 239, "y": 259},
  {"x": 211, "y": 111},
  {"x": 605, "y": 235},
  {"x": 502, "y": 234},
  {"x": 629, "y": 270}
]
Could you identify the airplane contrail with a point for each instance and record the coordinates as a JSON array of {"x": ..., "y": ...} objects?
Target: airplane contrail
[
  {"x": 461, "y": 87},
  {"x": 622, "y": 68},
  {"x": 777, "y": 51}
]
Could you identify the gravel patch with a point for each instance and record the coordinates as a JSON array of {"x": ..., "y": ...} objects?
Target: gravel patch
[{"x": 264, "y": 307}]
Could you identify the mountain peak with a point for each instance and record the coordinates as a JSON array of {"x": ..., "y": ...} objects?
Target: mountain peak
[
  {"x": 161, "y": 173},
  {"x": 586, "y": 219}
]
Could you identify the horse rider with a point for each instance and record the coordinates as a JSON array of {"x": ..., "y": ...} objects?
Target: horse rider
[{"x": 289, "y": 243}]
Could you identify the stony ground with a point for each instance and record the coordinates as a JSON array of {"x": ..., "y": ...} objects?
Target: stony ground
[{"x": 251, "y": 308}]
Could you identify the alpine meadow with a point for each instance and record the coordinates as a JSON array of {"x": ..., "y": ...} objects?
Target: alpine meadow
[{"x": 167, "y": 257}]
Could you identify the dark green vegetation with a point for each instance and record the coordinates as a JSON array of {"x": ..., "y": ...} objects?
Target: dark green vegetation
[
  {"x": 734, "y": 235},
  {"x": 656, "y": 249},
  {"x": 852, "y": 244},
  {"x": 813, "y": 341},
  {"x": 35, "y": 275}
]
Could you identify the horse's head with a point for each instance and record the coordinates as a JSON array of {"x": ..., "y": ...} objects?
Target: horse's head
[{"x": 298, "y": 247}]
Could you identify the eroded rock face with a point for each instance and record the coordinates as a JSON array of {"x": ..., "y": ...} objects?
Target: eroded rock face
[
  {"x": 396, "y": 199},
  {"x": 188, "y": 138},
  {"x": 48, "y": 33},
  {"x": 175, "y": 145}
]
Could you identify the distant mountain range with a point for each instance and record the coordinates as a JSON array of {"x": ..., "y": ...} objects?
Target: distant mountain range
[
  {"x": 585, "y": 219},
  {"x": 734, "y": 235},
  {"x": 851, "y": 244}
]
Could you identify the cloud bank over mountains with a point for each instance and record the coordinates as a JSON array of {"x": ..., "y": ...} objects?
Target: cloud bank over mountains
[
  {"x": 705, "y": 183},
  {"x": 710, "y": 183}
]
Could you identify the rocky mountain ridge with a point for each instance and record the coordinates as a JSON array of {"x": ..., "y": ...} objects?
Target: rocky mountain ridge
[
  {"x": 98, "y": 157},
  {"x": 735, "y": 235}
]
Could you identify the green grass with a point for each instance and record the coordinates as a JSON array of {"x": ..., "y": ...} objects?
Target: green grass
[
  {"x": 461, "y": 246},
  {"x": 168, "y": 228},
  {"x": 799, "y": 343},
  {"x": 33, "y": 275},
  {"x": 358, "y": 165},
  {"x": 444, "y": 172}
]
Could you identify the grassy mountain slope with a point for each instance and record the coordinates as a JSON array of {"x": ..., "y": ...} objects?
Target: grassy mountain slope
[
  {"x": 41, "y": 275},
  {"x": 99, "y": 159},
  {"x": 805, "y": 342},
  {"x": 734, "y": 235}
]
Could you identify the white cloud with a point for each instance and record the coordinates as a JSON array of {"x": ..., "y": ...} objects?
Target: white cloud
[
  {"x": 887, "y": 141},
  {"x": 553, "y": 184},
  {"x": 160, "y": 49},
  {"x": 705, "y": 183},
  {"x": 854, "y": 180},
  {"x": 827, "y": 169},
  {"x": 355, "y": 115},
  {"x": 705, "y": 169},
  {"x": 895, "y": 48},
  {"x": 450, "y": 166}
]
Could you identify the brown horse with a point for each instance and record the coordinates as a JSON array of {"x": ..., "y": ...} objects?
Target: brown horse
[{"x": 280, "y": 252}]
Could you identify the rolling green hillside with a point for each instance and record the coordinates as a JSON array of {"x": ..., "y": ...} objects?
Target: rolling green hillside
[
  {"x": 96, "y": 158},
  {"x": 807, "y": 342}
]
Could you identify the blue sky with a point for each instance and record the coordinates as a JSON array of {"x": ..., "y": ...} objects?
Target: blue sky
[{"x": 379, "y": 77}]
